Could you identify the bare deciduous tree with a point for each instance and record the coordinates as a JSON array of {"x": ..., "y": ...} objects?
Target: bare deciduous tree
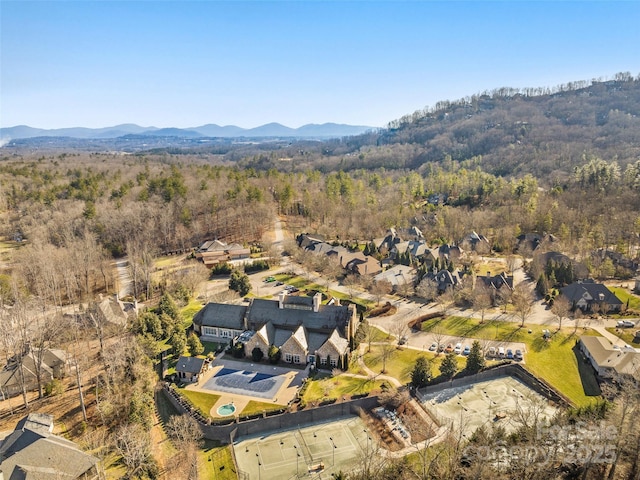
[
  {"x": 561, "y": 308},
  {"x": 522, "y": 300}
]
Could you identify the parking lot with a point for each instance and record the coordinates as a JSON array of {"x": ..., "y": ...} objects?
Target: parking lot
[{"x": 425, "y": 341}]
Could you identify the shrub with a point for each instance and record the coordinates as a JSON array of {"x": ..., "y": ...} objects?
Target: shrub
[
  {"x": 256, "y": 354},
  {"x": 53, "y": 388},
  {"x": 221, "y": 269}
]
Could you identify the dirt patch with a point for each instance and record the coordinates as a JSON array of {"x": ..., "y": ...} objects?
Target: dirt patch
[{"x": 412, "y": 420}]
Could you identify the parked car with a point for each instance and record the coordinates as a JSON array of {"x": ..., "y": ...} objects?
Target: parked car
[
  {"x": 467, "y": 350},
  {"x": 518, "y": 355},
  {"x": 501, "y": 352},
  {"x": 509, "y": 353},
  {"x": 458, "y": 348},
  {"x": 433, "y": 347},
  {"x": 449, "y": 349},
  {"x": 625, "y": 324},
  {"x": 441, "y": 347},
  {"x": 402, "y": 340},
  {"x": 491, "y": 352}
]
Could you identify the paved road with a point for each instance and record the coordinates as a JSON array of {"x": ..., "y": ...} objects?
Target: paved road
[{"x": 123, "y": 278}]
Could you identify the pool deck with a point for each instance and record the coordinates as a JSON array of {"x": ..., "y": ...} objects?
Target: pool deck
[{"x": 286, "y": 392}]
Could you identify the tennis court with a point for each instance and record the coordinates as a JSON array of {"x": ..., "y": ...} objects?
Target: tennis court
[
  {"x": 504, "y": 401},
  {"x": 312, "y": 451}
]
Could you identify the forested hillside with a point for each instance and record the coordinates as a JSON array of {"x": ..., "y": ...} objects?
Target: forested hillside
[{"x": 506, "y": 132}]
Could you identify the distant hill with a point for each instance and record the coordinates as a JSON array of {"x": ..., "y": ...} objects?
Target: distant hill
[
  {"x": 542, "y": 131},
  {"x": 327, "y": 130}
]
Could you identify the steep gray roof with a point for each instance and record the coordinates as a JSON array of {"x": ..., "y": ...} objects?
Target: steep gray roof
[
  {"x": 189, "y": 364},
  {"x": 221, "y": 315},
  {"x": 577, "y": 290},
  {"x": 328, "y": 316},
  {"x": 30, "y": 452}
]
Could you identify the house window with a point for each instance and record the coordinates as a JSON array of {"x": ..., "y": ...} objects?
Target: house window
[
  {"x": 225, "y": 334},
  {"x": 296, "y": 359},
  {"x": 210, "y": 331},
  {"x": 287, "y": 357},
  {"x": 323, "y": 360},
  {"x": 334, "y": 362}
]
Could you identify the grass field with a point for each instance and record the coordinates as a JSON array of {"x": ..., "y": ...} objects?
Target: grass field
[
  {"x": 335, "y": 387},
  {"x": 202, "y": 401},
  {"x": 189, "y": 310},
  {"x": 625, "y": 296},
  {"x": 555, "y": 360},
  {"x": 257, "y": 407},
  {"x": 627, "y": 335},
  {"x": 401, "y": 362}
]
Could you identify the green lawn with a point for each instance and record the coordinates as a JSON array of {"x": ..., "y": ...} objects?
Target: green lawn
[
  {"x": 334, "y": 387},
  {"x": 189, "y": 310},
  {"x": 627, "y": 335},
  {"x": 257, "y": 407},
  {"x": 625, "y": 296},
  {"x": 202, "y": 401},
  {"x": 215, "y": 462},
  {"x": 401, "y": 362},
  {"x": 554, "y": 361}
]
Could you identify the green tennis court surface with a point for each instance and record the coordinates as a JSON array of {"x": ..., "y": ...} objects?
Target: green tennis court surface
[{"x": 313, "y": 451}]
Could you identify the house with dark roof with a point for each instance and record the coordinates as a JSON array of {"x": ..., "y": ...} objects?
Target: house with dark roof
[
  {"x": 305, "y": 330},
  {"x": 475, "y": 242},
  {"x": 527, "y": 243},
  {"x": 590, "y": 296},
  {"x": 496, "y": 283},
  {"x": 32, "y": 452},
  {"x": 445, "y": 279},
  {"x": 189, "y": 369},
  {"x": 608, "y": 361}
]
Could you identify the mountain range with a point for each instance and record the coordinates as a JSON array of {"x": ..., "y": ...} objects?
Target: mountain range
[{"x": 325, "y": 130}]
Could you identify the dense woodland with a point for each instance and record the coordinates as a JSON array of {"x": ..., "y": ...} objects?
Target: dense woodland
[{"x": 564, "y": 162}]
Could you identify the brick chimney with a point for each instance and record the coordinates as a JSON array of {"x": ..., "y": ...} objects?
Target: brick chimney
[{"x": 281, "y": 300}]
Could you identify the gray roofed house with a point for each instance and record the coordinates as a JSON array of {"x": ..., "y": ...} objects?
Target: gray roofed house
[
  {"x": 445, "y": 279},
  {"x": 397, "y": 275},
  {"x": 298, "y": 325},
  {"x": 588, "y": 296},
  {"x": 31, "y": 451},
  {"x": 190, "y": 368},
  {"x": 220, "y": 322},
  {"x": 54, "y": 365}
]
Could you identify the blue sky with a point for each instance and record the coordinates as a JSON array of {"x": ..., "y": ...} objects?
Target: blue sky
[{"x": 185, "y": 64}]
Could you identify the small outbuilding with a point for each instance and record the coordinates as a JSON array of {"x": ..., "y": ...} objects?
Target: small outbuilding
[{"x": 189, "y": 369}]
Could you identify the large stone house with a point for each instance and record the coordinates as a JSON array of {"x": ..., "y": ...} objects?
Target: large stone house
[{"x": 302, "y": 328}]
